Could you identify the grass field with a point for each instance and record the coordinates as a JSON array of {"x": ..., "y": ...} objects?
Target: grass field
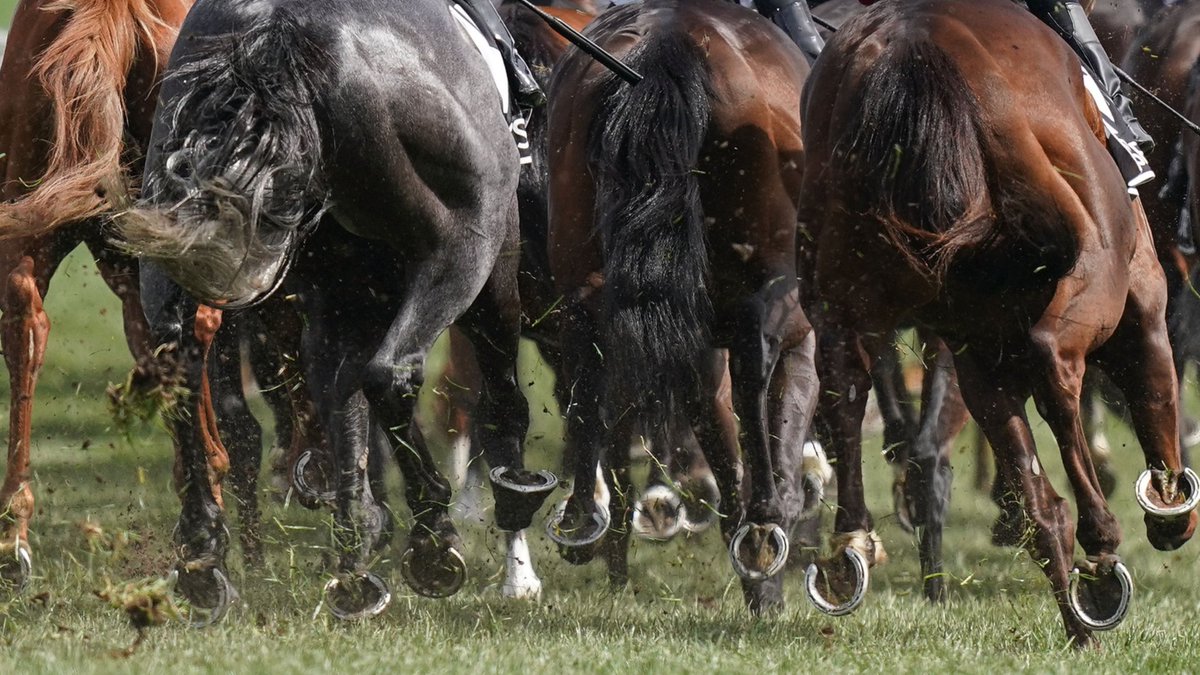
[{"x": 105, "y": 511}]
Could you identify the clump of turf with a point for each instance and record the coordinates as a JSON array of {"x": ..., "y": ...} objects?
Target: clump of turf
[
  {"x": 146, "y": 603},
  {"x": 150, "y": 392}
]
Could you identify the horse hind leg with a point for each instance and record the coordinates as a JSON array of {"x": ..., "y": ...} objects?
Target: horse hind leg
[
  {"x": 929, "y": 476},
  {"x": 241, "y": 435},
  {"x": 996, "y": 401},
  {"x": 24, "y": 330},
  {"x": 1138, "y": 359},
  {"x": 492, "y": 325}
]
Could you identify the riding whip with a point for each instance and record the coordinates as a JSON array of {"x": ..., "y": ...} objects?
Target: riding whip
[
  {"x": 587, "y": 46},
  {"x": 1187, "y": 123}
]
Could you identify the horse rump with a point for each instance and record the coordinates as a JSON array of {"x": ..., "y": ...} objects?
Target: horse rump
[
  {"x": 916, "y": 132},
  {"x": 234, "y": 176}
]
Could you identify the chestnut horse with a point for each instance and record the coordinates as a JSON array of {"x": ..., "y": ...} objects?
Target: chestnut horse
[
  {"x": 79, "y": 82},
  {"x": 956, "y": 174},
  {"x": 672, "y": 235}
]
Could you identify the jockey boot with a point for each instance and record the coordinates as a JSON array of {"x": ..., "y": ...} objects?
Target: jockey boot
[
  {"x": 1126, "y": 137},
  {"x": 794, "y": 17},
  {"x": 526, "y": 92}
]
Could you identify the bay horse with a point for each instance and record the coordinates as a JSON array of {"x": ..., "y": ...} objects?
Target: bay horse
[
  {"x": 290, "y": 138},
  {"x": 956, "y": 173},
  {"x": 672, "y": 236},
  {"x": 79, "y": 82}
]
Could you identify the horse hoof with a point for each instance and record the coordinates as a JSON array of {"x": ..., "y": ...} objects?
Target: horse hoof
[
  {"x": 576, "y": 540},
  {"x": 758, "y": 551},
  {"x": 434, "y": 578},
  {"x": 700, "y": 502},
  {"x": 827, "y": 602},
  {"x": 208, "y": 592},
  {"x": 309, "y": 496},
  {"x": 1150, "y": 494},
  {"x": 659, "y": 514},
  {"x": 16, "y": 571},
  {"x": 352, "y": 597},
  {"x": 1100, "y": 600},
  {"x": 519, "y": 494}
]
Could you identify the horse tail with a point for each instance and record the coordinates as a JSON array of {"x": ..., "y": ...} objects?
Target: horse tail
[
  {"x": 916, "y": 133},
  {"x": 644, "y": 147},
  {"x": 83, "y": 72},
  {"x": 242, "y": 145}
]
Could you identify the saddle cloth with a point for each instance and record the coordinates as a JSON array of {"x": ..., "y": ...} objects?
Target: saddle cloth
[{"x": 488, "y": 50}]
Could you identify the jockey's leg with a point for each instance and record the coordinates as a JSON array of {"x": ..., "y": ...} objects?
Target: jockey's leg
[
  {"x": 526, "y": 92},
  {"x": 1070, "y": 20},
  {"x": 794, "y": 17}
]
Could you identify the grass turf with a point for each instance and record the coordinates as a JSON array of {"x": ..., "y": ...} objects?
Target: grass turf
[{"x": 105, "y": 511}]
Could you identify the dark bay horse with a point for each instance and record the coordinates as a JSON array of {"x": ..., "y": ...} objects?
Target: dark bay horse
[
  {"x": 672, "y": 235},
  {"x": 292, "y": 137},
  {"x": 79, "y": 82},
  {"x": 956, "y": 174}
]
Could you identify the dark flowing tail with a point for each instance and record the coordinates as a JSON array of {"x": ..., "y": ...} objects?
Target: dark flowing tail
[
  {"x": 917, "y": 134},
  {"x": 644, "y": 149},
  {"x": 242, "y": 149}
]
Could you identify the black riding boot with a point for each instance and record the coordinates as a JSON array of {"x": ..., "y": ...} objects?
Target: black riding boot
[
  {"x": 1069, "y": 19},
  {"x": 525, "y": 90},
  {"x": 794, "y": 17}
]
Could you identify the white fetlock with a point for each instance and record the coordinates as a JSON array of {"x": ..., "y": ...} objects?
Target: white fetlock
[{"x": 521, "y": 581}]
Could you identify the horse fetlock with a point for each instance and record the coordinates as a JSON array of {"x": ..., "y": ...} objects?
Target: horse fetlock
[{"x": 19, "y": 509}]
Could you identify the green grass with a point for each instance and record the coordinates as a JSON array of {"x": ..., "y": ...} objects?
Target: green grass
[
  {"x": 7, "y": 7},
  {"x": 105, "y": 512}
]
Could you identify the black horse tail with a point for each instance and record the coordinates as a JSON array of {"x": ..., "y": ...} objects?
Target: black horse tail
[
  {"x": 242, "y": 150},
  {"x": 917, "y": 134},
  {"x": 644, "y": 148}
]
